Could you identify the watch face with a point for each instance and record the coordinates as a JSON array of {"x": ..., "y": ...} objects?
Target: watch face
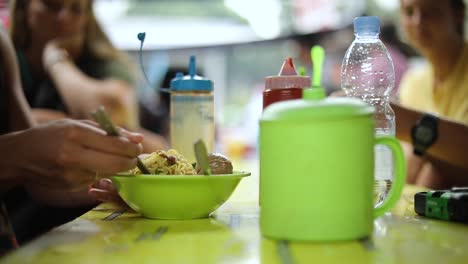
[{"x": 424, "y": 135}]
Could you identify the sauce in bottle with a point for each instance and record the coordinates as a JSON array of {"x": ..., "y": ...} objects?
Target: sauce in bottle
[
  {"x": 192, "y": 112},
  {"x": 287, "y": 85}
]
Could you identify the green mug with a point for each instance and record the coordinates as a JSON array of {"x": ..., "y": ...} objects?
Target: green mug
[{"x": 317, "y": 170}]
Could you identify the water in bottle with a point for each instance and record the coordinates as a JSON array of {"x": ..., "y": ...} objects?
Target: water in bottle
[{"x": 367, "y": 72}]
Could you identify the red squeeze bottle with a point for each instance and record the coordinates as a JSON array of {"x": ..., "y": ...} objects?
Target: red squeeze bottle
[{"x": 286, "y": 86}]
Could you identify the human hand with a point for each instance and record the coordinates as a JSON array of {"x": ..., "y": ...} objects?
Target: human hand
[
  {"x": 101, "y": 190},
  {"x": 67, "y": 153},
  {"x": 61, "y": 49},
  {"x": 104, "y": 191}
]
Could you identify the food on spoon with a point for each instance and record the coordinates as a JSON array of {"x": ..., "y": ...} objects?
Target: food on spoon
[
  {"x": 168, "y": 162},
  {"x": 219, "y": 164}
]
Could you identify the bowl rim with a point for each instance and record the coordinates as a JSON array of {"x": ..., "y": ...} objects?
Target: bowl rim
[{"x": 235, "y": 174}]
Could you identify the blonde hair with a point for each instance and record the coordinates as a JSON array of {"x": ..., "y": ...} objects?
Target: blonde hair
[{"x": 96, "y": 43}]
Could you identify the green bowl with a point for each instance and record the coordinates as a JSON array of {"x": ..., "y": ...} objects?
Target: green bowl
[{"x": 176, "y": 196}]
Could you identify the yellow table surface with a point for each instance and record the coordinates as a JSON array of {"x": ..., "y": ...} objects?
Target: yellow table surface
[{"x": 232, "y": 235}]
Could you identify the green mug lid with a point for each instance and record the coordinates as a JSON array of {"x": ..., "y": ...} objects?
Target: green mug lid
[{"x": 325, "y": 109}]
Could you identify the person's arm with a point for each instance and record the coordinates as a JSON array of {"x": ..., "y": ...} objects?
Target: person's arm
[
  {"x": 82, "y": 93},
  {"x": 57, "y": 161},
  {"x": 451, "y": 145},
  {"x": 10, "y": 175},
  {"x": 18, "y": 108},
  {"x": 42, "y": 115},
  {"x": 151, "y": 141}
]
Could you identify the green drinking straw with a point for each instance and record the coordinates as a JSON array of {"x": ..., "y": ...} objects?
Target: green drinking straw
[{"x": 317, "y": 53}]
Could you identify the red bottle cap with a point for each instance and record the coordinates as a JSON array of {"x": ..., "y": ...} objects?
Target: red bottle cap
[{"x": 287, "y": 78}]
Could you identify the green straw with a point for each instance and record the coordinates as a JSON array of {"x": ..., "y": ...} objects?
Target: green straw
[{"x": 317, "y": 53}]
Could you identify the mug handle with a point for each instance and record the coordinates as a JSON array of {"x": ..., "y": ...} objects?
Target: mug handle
[{"x": 399, "y": 175}]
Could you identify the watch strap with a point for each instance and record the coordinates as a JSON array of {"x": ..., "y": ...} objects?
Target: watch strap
[{"x": 430, "y": 121}]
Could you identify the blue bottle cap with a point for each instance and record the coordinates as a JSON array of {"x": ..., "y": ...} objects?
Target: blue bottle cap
[
  {"x": 191, "y": 82},
  {"x": 366, "y": 25}
]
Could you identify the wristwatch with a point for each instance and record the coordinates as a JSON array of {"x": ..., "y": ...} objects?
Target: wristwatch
[{"x": 424, "y": 133}]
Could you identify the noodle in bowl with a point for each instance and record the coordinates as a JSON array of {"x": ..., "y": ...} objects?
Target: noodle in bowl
[{"x": 166, "y": 163}]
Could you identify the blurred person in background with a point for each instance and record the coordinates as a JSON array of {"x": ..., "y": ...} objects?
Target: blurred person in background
[
  {"x": 69, "y": 67},
  {"x": 399, "y": 52},
  {"x": 47, "y": 169},
  {"x": 432, "y": 111}
]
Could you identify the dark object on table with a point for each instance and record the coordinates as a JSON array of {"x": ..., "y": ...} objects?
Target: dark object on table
[{"x": 449, "y": 205}]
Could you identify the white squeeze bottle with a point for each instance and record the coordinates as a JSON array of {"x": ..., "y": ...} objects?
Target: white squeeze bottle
[
  {"x": 367, "y": 73},
  {"x": 191, "y": 112}
]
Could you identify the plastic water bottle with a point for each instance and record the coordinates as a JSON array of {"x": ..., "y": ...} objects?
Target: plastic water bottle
[
  {"x": 367, "y": 72},
  {"x": 192, "y": 116}
]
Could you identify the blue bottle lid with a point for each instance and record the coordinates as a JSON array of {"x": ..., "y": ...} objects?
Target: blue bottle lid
[
  {"x": 191, "y": 82},
  {"x": 366, "y": 25}
]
